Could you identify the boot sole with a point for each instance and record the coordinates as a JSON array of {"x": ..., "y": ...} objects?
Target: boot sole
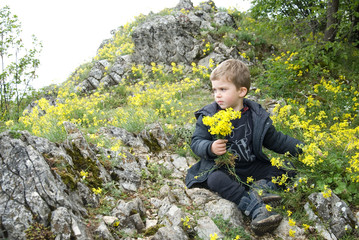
[
  {"x": 266, "y": 225},
  {"x": 273, "y": 200}
]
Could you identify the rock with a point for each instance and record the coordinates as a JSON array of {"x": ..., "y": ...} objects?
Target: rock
[
  {"x": 77, "y": 146},
  {"x": 95, "y": 76},
  {"x": 109, "y": 220},
  {"x": 29, "y": 189},
  {"x": 223, "y": 18},
  {"x": 334, "y": 212},
  {"x": 184, "y": 4},
  {"x": 154, "y": 137},
  {"x": 126, "y": 137},
  {"x": 207, "y": 6},
  {"x": 150, "y": 223},
  {"x": 168, "y": 232},
  {"x": 167, "y": 39},
  {"x": 283, "y": 229},
  {"x": 179, "y": 162},
  {"x": 102, "y": 232},
  {"x": 128, "y": 172},
  {"x": 130, "y": 215},
  {"x": 318, "y": 224},
  {"x": 206, "y": 227},
  {"x": 137, "y": 221},
  {"x": 226, "y": 210},
  {"x": 61, "y": 223},
  {"x": 200, "y": 196},
  {"x": 174, "y": 215},
  {"x": 216, "y": 57}
]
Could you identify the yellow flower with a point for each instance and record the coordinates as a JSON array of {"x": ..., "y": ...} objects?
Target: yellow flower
[
  {"x": 97, "y": 191},
  {"x": 186, "y": 222},
  {"x": 220, "y": 123},
  {"x": 260, "y": 192},
  {"x": 250, "y": 179},
  {"x": 291, "y": 222},
  {"x": 84, "y": 174},
  {"x": 276, "y": 162},
  {"x": 291, "y": 233},
  {"x": 327, "y": 192},
  {"x": 306, "y": 226},
  {"x": 213, "y": 236},
  {"x": 269, "y": 208},
  {"x": 9, "y": 123}
]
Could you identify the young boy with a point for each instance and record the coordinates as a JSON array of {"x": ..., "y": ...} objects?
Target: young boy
[{"x": 230, "y": 84}]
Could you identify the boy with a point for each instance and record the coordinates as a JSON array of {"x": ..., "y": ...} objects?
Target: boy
[{"x": 230, "y": 84}]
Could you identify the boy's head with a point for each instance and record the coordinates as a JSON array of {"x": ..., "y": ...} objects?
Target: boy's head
[{"x": 233, "y": 70}]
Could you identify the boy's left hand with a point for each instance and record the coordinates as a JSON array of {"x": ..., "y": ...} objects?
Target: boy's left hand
[{"x": 219, "y": 147}]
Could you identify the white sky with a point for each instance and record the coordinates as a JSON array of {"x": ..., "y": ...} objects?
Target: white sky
[{"x": 72, "y": 30}]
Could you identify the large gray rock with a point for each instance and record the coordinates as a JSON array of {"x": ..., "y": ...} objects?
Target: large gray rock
[
  {"x": 30, "y": 190},
  {"x": 331, "y": 211},
  {"x": 167, "y": 39}
]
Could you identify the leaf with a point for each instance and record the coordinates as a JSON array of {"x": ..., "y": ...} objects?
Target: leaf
[{"x": 341, "y": 188}]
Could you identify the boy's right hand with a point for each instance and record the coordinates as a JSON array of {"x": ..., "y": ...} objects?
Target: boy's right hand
[{"x": 219, "y": 147}]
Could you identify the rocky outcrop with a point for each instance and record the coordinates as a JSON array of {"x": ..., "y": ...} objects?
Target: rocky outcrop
[
  {"x": 57, "y": 185},
  {"x": 98, "y": 74},
  {"x": 177, "y": 37},
  {"x": 168, "y": 39}
]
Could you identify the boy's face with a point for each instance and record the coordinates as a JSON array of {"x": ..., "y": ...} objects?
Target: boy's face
[{"x": 226, "y": 94}]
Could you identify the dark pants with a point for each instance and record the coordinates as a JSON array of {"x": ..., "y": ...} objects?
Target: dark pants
[{"x": 229, "y": 188}]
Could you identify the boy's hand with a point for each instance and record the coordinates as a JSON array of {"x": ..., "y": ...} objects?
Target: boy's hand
[{"x": 219, "y": 147}]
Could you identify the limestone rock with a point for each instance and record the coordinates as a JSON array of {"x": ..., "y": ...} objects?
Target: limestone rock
[
  {"x": 169, "y": 232},
  {"x": 334, "y": 212},
  {"x": 30, "y": 190},
  {"x": 206, "y": 227},
  {"x": 226, "y": 210}
]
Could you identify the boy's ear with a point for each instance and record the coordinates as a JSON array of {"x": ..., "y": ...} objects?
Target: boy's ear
[{"x": 242, "y": 91}]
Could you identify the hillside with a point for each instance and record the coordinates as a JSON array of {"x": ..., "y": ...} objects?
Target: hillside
[{"x": 104, "y": 155}]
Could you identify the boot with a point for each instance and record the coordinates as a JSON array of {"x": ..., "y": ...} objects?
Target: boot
[
  {"x": 265, "y": 189},
  {"x": 263, "y": 221}
]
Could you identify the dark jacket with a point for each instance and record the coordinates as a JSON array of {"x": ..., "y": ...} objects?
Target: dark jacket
[{"x": 264, "y": 135}]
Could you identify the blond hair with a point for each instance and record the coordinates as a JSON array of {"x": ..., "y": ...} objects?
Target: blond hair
[{"x": 233, "y": 70}]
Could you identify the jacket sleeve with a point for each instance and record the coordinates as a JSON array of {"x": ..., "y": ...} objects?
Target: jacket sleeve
[
  {"x": 202, "y": 141},
  {"x": 280, "y": 143}
]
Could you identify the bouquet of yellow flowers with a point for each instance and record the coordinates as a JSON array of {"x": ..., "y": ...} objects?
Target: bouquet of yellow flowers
[{"x": 221, "y": 126}]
